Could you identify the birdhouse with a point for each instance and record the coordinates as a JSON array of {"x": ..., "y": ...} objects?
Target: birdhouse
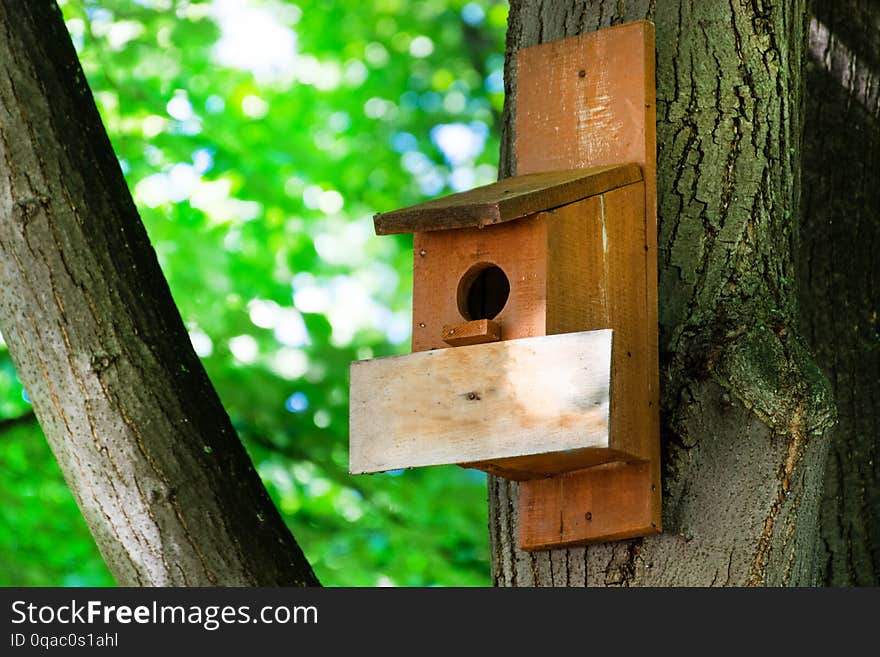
[{"x": 535, "y": 308}]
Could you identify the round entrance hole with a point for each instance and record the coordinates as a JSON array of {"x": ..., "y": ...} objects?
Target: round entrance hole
[{"x": 483, "y": 291}]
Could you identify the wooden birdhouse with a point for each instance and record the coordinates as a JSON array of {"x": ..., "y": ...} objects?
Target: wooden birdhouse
[{"x": 535, "y": 308}]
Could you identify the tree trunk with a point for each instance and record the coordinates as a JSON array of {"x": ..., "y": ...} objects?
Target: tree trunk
[
  {"x": 744, "y": 409},
  {"x": 162, "y": 480},
  {"x": 840, "y": 272}
]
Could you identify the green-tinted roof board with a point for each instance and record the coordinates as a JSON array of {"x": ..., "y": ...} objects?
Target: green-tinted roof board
[{"x": 507, "y": 199}]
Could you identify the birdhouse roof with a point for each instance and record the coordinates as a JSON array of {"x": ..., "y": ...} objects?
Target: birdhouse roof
[{"x": 507, "y": 199}]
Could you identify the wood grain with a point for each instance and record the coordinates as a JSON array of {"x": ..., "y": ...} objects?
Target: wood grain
[
  {"x": 603, "y": 503},
  {"x": 478, "y": 403},
  {"x": 443, "y": 258},
  {"x": 597, "y": 279},
  {"x": 508, "y": 199}
]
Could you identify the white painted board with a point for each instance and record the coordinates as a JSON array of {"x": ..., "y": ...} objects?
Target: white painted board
[{"x": 482, "y": 402}]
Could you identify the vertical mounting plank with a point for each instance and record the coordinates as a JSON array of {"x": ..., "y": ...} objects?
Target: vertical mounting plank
[
  {"x": 613, "y": 502},
  {"x": 582, "y": 102}
]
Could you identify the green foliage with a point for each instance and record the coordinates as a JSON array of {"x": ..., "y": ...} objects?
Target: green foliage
[
  {"x": 258, "y": 139},
  {"x": 43, "y": 540}
]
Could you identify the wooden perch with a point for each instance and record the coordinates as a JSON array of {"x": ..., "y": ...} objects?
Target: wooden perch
[{"x": 477, "y": 331}]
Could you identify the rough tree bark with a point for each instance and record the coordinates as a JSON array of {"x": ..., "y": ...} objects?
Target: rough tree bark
[
  {"x": 745, "y": 410},
  {"x": 162, "y": 480},
  {"x": 840, "y": 272}
]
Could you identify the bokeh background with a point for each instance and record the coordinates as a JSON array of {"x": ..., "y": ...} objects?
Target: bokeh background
[{"x": 258, "y": 139}]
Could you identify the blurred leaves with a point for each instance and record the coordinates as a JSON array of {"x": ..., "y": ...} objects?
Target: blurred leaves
[{"x": 258, "y": 139}]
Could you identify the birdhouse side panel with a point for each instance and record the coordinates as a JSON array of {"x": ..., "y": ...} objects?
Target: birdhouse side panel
[
  {"x": 576, "y": 272},
  {"x": 632, "y": 310},
  {"x": 599, "y": 260},
  {"x": 445, "y": 262}
]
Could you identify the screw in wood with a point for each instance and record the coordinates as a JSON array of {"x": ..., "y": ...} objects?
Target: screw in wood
[
  {"x": 423, "y": 253},
  {"x": 588, "y": 516},
  {"x": 582, "y": 73},
  {"x": 421, "y": 325}
]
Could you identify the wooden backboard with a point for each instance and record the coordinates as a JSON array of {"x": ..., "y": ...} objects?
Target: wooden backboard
[{"x": 583, "y": 102}]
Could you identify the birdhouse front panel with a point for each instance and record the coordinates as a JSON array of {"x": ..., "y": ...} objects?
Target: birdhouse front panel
[{"x": 497, "y": 273}]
